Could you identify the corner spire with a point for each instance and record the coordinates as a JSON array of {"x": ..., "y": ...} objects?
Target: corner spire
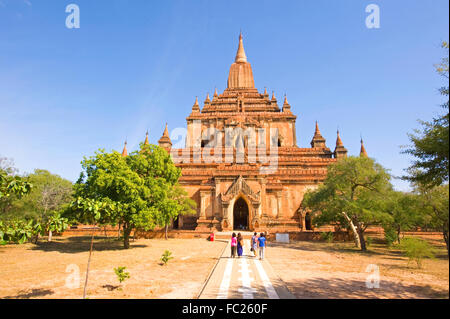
[
  {"x": 338, "y": 140},
  {"x": 318, "y": 140},
  {"x": 317, "y": 132},
  {"x": 286, "y": 106},
  {"x": 196, "y": 107},
  {"x": 165, "y": 141},
  {"x": 363, "y": 152},
  {"x": 340, "y": 151},
  {"x": 146, "y": 139},
  {"x": 240, "y": 55},
  {"x": 125, "y": 152}
]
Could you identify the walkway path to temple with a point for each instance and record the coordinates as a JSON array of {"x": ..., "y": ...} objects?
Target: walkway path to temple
[{"x": 244, "y": 278}]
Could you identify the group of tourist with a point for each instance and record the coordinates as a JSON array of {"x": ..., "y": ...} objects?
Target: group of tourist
[{"x": 237, "y": 245}]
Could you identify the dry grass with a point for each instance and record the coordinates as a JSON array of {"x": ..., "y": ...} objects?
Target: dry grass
[
  {"x": 338, "y": 270},
  {"x": 39, "y": 271}
]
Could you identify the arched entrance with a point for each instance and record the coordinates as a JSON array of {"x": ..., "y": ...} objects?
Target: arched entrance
[{"x": 240, "y": 214}]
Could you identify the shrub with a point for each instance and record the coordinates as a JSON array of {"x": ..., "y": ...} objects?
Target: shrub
[
  {"x": 327, "y": 236},
  {"x": 121, "y": 274},
  {"x": 17, "y": 231},
  {"x": 416, "y": 249},
  {"x": 390, "y": 235},
  {"x": 166, "y": 257}
]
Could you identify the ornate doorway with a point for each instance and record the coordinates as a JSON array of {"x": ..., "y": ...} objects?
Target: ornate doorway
[{"x": 240, "y": 215}]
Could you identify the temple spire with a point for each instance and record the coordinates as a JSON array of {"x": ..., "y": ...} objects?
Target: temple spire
[
  {"x": 340, "y": 151},
  {"x": 165, "y": 141},
  {"x": 146, "y": 139},
  {"x": 338, "y": 140},
  {"x": 240, "y": 55},
  {"x": 125, "y": 152},
  {"x": 363, "y": 152},
  {"x": 317, "y": 132},
  {"x": 286, "y": 106},
  {"x": 241, "y": 74},
  {"x": 318, "y": 140},
  {"x": 196, "y": 107}
]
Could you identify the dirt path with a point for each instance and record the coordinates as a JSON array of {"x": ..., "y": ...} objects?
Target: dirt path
[{"x": 246, "y": 277}]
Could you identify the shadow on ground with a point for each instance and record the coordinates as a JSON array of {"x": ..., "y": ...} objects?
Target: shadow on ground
[
  {"x": 34, "y": 293},
  {"x": 338, "y": 247},
  {"x": 336, "y": 288},
  {"x": 83, "y": 244}
]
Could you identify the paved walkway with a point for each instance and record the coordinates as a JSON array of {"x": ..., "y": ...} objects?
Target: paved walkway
[{"x": 246, "y": 277}]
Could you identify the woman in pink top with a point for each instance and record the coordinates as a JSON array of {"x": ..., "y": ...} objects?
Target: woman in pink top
[{"x": 233, "y": 245}]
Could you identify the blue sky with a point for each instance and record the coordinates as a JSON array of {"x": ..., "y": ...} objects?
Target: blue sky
[{"x": 135, "y": 65}]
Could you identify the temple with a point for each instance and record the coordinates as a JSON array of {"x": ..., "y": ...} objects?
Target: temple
[{"x": 241, "y": 163}]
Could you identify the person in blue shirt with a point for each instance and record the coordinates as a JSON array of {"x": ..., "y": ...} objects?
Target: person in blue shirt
[{"x": 261, "y": 245}]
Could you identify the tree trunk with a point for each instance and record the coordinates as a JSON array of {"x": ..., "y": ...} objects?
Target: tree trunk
[
  {"x": 50, "y": 234},
  {"x": 36, "y": 238},
  {"x": 126, "y": 236},
  {"x": 445, "y": 233},
  {"x": 361, "y": 239},
  {"x": 87, "y": 270},
  {"x": 167, "y": 227},
  {"x": 353, "y": 228},
  {"x": 118, "y": 232},
  {"x": 106, "y": 234}
]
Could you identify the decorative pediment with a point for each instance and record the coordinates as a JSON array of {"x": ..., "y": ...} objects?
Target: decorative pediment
[{"x": 240, "y": 186}]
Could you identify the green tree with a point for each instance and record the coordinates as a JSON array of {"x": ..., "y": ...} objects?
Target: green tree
[
  {"x": 51, "y": 193},
  {"x": 351, "y": 195},
  {"x": 435, "y": 203},
  {"x": 416, "y": 249},
  {"x": 405, "y": 210},
  {"x": 11, "y": 185},
  {"x": 132, "y": 184},
  {"x": 55, "y": 223},
  {"x": 430, "y": 146},
  {"x": 173, "y": 203}
]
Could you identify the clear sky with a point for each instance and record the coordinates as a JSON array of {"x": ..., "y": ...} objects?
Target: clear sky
[{"x": 135, "y": 65}]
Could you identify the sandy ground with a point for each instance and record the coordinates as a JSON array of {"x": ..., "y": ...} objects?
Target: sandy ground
[
  {"x": 338, "y": 270},
  {"x": 49, "y": 270},
  {"x": 308, "y": 269}
]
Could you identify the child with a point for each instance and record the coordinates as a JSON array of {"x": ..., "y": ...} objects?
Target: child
[
  {"x": 262, "y": 245},
  {"x": 233, "y": 245},
  {"x": 254, "y": 244}
]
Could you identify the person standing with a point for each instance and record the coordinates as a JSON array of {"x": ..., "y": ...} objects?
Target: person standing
[
  {"x": 254, "y": 244},
  {"x": 240, "y": 244},
  {"x": 262, "y": 245},
  {"x": 233, "y": 245}
]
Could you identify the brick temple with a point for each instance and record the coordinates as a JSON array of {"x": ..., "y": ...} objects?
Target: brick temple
[{"x": 241, "y": 163}]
